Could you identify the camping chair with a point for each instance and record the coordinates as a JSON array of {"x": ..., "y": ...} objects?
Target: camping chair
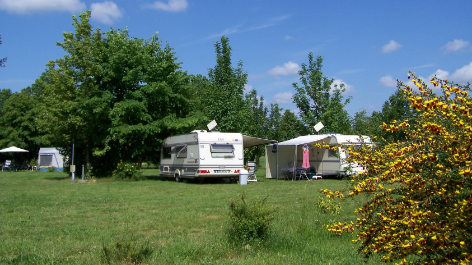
[
  {"x": 7, "y": 165},
  {"x": 300, "y": 174},
  {"x": 252, "y": 171},
  {"x": 288, "y": 172}
]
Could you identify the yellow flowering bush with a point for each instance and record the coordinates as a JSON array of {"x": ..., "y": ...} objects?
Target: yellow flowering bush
[
  {"x": 127, "y": 171},
  {"x": 420, "y": 208}
]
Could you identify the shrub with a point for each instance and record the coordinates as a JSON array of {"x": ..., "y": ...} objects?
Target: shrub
[
  {"x": 249, "y": 223},
  {"x": 421, "y": 208},
  {"x": 329, "y": 206},
  {"x": 33, "y": 162},
  {"x": 125, "y": 253},
  {"x": 127, "y": 171},
  {"x": 51, "y": 169}
]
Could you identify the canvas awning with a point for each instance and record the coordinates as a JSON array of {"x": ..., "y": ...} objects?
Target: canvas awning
[
  {"x": 13, "y": 149},
  {"x": 305, "y": 139},
  {"x": 250, "y": 141}
]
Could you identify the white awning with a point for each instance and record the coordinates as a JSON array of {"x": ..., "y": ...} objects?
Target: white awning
[
  {"x": 305, "y": 139},
  {"x": 249, "y": 141},
  {"x": 341, "y": 139}
]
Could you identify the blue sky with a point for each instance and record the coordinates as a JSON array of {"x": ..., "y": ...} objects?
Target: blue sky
[{"x": 366, "y": 45}]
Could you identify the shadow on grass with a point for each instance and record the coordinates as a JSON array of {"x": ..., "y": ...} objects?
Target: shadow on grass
[
  {"x": 58, "y": 178},
  {"x": 193, "y": 181},
  {"x": 156, "y": 177}
]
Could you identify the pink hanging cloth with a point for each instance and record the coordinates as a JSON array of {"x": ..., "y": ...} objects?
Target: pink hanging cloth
[{"x": 306, "y": 157}]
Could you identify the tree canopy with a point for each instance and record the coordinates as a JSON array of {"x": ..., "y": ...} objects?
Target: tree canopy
[
  {"x": 318, "y": 101},
  {"x": 224, "y": 98},
  {"x": 117, "y": 97}
]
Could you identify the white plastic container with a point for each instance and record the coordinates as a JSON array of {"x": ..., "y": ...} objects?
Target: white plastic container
[{"x": 243, "y": 176}]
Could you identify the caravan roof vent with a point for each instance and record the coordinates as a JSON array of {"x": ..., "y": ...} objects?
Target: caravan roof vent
[{"x": 198, "y": 131}]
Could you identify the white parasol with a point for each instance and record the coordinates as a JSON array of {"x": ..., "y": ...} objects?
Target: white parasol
[{"x": 13, "y": 149}]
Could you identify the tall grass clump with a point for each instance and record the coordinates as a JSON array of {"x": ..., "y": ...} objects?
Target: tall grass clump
[
  {"x": 249, "y": 222},
  {"x": 125, "y": 252}
]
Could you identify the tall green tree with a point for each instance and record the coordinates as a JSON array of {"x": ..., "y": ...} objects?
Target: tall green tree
[
  {"x": 274, "y": 119},
  {"x": 17, "y": 120},
  {"x": 18, "y": 112},
  {"x": 152, "y": 96},
  {"x": 318, "y": 101},
  {"x": 116, "y": 96},
  {"x": 225, "y": 97},
  {"x": 255, "y": 117},
  {"x": 291, "y": 126},
  {"x": 199, "y": 89},
  {"x": 74, "y": 107},
  {"x": 397, "y": 107},
  {"x": 361, "y": 123}
]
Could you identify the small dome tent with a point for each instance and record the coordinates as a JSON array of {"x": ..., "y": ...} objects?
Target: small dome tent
[{"x": 50, "y": 157}]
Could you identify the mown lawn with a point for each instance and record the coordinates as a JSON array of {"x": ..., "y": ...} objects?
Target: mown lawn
[{"x": 45, "y": 218}]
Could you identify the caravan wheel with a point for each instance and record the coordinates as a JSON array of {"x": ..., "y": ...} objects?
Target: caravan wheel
[{"x": 177, "y": 178}]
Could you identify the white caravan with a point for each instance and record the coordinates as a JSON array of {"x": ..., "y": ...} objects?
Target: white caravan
[
  {"x": 202, "y": 154},
  {"x": 288, "y": 155}
]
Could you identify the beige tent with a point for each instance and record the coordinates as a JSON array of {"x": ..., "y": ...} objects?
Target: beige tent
[{"x": 289, "y": 155}]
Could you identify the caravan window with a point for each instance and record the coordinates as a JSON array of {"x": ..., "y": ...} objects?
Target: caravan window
[
  {"x": 222, "y": 150},
  {"x": 166, "y": 152},
  {"x": 181, "y": 151}
]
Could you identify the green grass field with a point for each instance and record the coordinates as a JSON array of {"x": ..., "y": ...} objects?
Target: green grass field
[{"x": 45, "y": 218}]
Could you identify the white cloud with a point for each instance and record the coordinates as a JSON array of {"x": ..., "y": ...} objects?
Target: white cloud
[
  {"x": 422, "y": 66},
  {"x": 288, "y": 37},
  {"x": 391, "y": 47},
  {"x": 456, "y": 45},
  {"x": 225, "y": 32},
  {"x": 441, "y": 74},
  {"x": 242, "y": 28},
  {"x": 28, "y": 6},
  {"x": 338, "y": 82},
  {"x": 105, "y": 12},
  {"x": 171, "y": 6},
  {"x": 289, "y": 68},
  {"x": 283, "y": 98},
  {"x": 463, "y": 75},
  {"x": 387, "y": 81}
]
